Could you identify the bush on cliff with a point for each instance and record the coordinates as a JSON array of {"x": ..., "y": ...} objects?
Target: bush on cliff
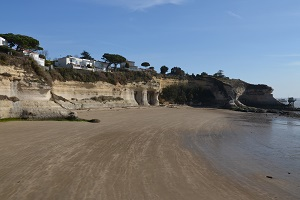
[
  {"x": 67, "y": 74},
  {"x": 122, "y": 77},
  {"x": 7, "y": 50},
  {"x": 106, "y": 98},
  {"x": 186, "y": 94},
  {"x": 28, "y": 64}
]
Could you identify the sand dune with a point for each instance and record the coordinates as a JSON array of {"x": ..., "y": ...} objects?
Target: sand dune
[{"x": 146, "y": 153}]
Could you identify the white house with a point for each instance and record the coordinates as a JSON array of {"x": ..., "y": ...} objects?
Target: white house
[
  {"x": 79, "y": 63},
  {"x": 35, "y": 56},
  {"x": 3, "y": 42},
  {"x": 131, "y": 65}
]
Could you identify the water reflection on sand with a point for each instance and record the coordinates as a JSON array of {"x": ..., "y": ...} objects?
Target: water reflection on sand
[{"x": 251, "y": 147}]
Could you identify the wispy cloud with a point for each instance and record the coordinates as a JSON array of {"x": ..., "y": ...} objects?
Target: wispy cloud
[
  {"x": 233, "y": 14},
  {"x": 138, "y": 4}
]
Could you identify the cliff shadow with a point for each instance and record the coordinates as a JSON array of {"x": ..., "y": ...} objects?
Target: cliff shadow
[
  {"x": 146, "y": 98},
  {"x": 138, "y": 96},
  {"x": 151, "y": 97}
]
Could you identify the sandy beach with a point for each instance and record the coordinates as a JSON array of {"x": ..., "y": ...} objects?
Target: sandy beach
[{"x": 152, "y": 153}]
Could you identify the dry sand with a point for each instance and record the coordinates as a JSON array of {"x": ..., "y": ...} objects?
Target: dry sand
[{"x": 146, "y": 153}]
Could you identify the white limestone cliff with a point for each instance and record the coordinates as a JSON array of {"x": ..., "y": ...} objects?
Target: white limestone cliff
[{"x": 22, "y": 95}]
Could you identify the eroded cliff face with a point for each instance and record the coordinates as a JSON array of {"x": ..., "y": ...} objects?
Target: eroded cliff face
[
  {"x": 25, "y": 95},
  {"x": 77, "y": 95},
  {"x": 232, "y": 92},
  {"x": 239, "y": 93},
  {"x": 259, "y": 96}
]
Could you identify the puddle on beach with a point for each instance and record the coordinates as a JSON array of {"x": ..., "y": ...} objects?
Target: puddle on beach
[{"x": 251, "y": 147}]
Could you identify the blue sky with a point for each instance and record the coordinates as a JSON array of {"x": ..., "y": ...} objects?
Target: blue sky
[{"x": 257, "y": 41}]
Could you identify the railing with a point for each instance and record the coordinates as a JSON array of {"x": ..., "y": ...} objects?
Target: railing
[{"x": 291, "y": 100}]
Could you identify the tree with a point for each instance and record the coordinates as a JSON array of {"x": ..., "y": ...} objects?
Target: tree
[
  {"x": 86, "y": 55},
  {"x": 113, "y": 59},
  {"x": 219, "y": 74},
  {"x": 190, "y": 94},
  {"x": 48, "y": 63},
  {"x": 145, "y": 64},
  {"x": 127, "y": 65},
  {"x": 177, "y": 71},
  {"x": 204, "y": 74},
  {"x": 21, "y": 42},
  {"x": 164, "y": 69},
  {"x": 45, "y": 53}
]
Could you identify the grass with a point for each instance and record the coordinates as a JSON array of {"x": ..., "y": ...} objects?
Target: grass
[
  {"x": 11, "y": 119},
  {"x": 50, "y": 119}
]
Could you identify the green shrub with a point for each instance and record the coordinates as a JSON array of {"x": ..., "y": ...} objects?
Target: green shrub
[
  {"x": 186, "y": 94},
  {"x": 5, "y": 49},
  {"x": 122, "y": 77},
  {"x": 106, "y": 98}
]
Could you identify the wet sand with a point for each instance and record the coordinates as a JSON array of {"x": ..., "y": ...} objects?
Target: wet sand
[{"x": 152, "y": 153}]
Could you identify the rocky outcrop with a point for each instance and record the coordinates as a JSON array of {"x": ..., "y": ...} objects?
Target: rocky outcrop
[
  {"x": 259, "y": 96},
  {"x": 231, "y": 92},
  {"x": 239, "y": 93}
]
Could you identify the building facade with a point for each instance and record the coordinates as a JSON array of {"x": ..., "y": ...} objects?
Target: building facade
[
  {"x": 131, "y": 66},
  {"x": 35, "y": 56},
  {"x": 3, "y": 42},
  {"x": 79, "y": 63}
]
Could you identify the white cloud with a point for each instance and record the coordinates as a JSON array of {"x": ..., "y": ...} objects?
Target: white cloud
[
  {"x": 138, "y": 4},
  {"x": 232, "y": 14}
]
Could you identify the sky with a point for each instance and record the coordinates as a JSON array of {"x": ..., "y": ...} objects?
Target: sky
[{"x": 257, "y": 41}]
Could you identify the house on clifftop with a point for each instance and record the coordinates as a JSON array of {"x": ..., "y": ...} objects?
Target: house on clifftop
[
  {"x": 35, "y": 56},
  {"x": 82, "y": 64},
  {"x": 130, "y": 65},
  {"x": 3, "y": 42}
]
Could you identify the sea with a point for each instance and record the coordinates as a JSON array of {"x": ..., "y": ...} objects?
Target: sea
[
  {"x": 256, "y": 146},
  {"x": 297, "y": 103}
]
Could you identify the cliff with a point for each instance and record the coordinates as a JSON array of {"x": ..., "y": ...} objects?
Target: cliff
[
  {"x": 25, "y": 94},
  {"x": 231, "y": 92},
  {"x": 240, "y": 93},
  {"x": 78, "y": 95}
]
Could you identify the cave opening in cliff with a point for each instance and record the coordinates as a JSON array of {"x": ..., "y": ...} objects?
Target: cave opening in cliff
[
  {"x": 151, "y": 97},
  {"x": 138, "y": 97}
]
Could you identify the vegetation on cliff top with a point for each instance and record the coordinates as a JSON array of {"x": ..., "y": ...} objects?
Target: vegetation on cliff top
[
  {"x": 28, "y": 64},
  {"x": 65, "y": 74},
  {"x": 122, "y": 77},
  {"x": 22, "y": 42}
]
